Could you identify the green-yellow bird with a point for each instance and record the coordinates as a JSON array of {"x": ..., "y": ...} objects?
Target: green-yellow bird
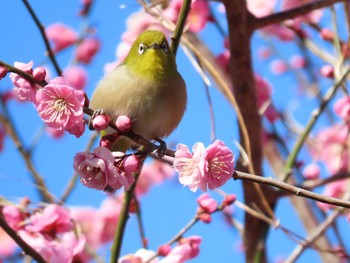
[{"x": 146, "y": 87}]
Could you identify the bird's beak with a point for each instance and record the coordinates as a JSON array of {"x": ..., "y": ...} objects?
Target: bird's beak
[{"x": 154, "y": 46}]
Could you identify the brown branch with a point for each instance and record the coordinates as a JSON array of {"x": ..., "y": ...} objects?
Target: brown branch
[
  {"x": 20, "y": 242},
  {"x": 46, "y": 41},
  {"x": 291, "y": 188},
  {"x": 292, "y": 13}
]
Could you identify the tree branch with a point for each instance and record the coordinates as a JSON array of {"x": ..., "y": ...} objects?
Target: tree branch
[{"x": 292, "y": 13}]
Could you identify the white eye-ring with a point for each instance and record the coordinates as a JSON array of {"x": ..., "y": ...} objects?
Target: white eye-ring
[
  {"x": 164, "y": 47},
  {"x": 141, "y": 48}
]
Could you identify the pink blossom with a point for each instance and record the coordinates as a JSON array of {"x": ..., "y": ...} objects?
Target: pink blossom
[
  {"x": 217, "y": 164},
  {"x": 87, "y": 49},
  {"x": 51, "y": 220},
  {"x": 188, "y": 248},
  {"x": 164, "y": 250},
  {"x": 128, "y": 170},
  {"x": 331, "y": 147},
  {"x": 56, "y": 134},
  {"x": 312, "y": 17},
  {"x": 61, "y": 35},
  {"x": 7, "y": 245},
  {"x": 141, "y": 255},
  {"x": 151, "y": 174},
  {"x": 327, "y": 71},
  {"x": 297, "y": 62},
  {"x": 210, "y": 167},
  {"x": 97, "y": 169},
  {"x": 229, "y": 200},
  {"x": 335, "y": 189},
  {"x": 123, "y": 123},
  {"x": 264, "y": 53},
  {"x": 261, "y": 8},
  {"x": 57, "y": 250},
  {"x": 206, "y": 203},
  {"x": 281, "y": 32},
  {"x": 223, "y": 60},
  {"x": 205, "y": 217},
  {"x": 327, "y": 34},
  {"x": 3, "y": 72},
  {"x": 278, "y": 67},
  {"x": 24, "y": 90},
  {"x": 100, "y": 122},
  {"x": 13, "y": 216},
  {"x": 187, "y": 165},
  {"x": 76, "y": 76},
  {"x": 39, "y": 73},
  {"x": 311, "y": 172},
  {"x": 61, "y": 107},
  {"x": 264, "y": 91},
  {"x": 197, "y": 18},
  {"x": 342, "y": 107}
]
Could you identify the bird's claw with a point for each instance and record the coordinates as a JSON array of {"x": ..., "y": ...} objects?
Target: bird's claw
[
  {"x": 161, "y": 148},
  {"x": 96, "y": 112}
]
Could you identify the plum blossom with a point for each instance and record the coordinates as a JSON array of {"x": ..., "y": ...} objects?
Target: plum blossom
[
  {"x": 331, "y": 147},
  {"x": 61, "y": 107},
  {"x": 14, "y": 216},
  {"x": 187, "y": 248},
  {"x": 3, "y": 72},
  {"x": 197, "y": 18},
  {"x": 342, "y": 107},
  {"x": 151, "y": 174},
  {"x": 205, "y": 168},
  {"x": 24, "y": 90},
  {"x": 97, "y": 169},
  {"x": 87, "y": 49},
  {"x": 335, "y": 189},
  {"x": 61, "y": 36},
  {"x": 123, "y": 123},
  {"x": 100, "y": 122},
  {"x": 261, "y": 8},
  {"x": 51, "y": 220},
  {"x": 206, "y": 203},
  {"x": 327, "y": 71},
  {"x": 76, "y": 76},
  {"x": 312, "y": 17},
  {"x": 278, "y": 67},
  {"x": 187, "y": 165},
  {"x": 140, "y": 256},
  {"x": 7, "y": 245},
  {"x": 311, "y": 171}
]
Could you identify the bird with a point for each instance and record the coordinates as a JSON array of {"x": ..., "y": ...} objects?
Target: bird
[{"x": 146, "y": 87}]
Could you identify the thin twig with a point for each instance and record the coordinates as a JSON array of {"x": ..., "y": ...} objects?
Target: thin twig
[
  {"x": 292, "y": 13},
  {"x": 46, "y": 41},
  {"x": 144, "y": 240},
  {"x": 180, "y": 25},
  {"x": 287, "y": 169},
  {"x": 292, "y": 189}
]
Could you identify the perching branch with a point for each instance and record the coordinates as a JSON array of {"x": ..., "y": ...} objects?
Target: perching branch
[
  {"x": 46, "y": 41},
  {"x": 292, "y": 13}
]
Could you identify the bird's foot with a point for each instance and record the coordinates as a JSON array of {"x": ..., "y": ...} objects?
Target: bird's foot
[
  {"x": 96, "y": 113},
  {"x": 161, "y": 148}
]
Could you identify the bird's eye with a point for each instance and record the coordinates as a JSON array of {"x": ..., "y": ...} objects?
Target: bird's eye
[
  {"x": 164, "y": 46},
  {"x": 141, "y": 48}
]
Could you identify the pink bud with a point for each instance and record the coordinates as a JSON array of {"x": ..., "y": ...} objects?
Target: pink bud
[
  {"x": 39, "y": 73},
  {"x": 207, "y": 203},
  {"x": 87, "y": 50},
  {"x": 131, "y": 164},
  {"x": 229, "y": 200},
  {"x": 205, "y": 218},
  {"x": 76, "y": 76},
  {"x": 164, "y": 250},
  {"x": 327, "y": 34},
  {"x": 100, "y": 122},
  {"x": 123, "y": 123},
  {"x": 311, "y": 172},
  {"x": 3, "y": 72},
  {"x": 298, "y": 62},
  {"x": 327, "y": 71},
  {"x": 278, "y": 67}
]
